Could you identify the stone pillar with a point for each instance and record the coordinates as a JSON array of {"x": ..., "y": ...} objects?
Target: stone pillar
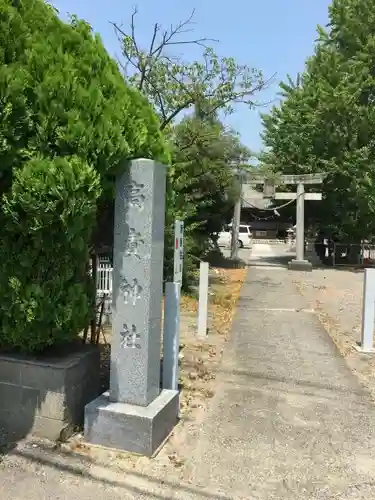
[
  {"x": 136, "y": 415},
  {"x": 300, "y": 223},
  {"x": 299, "y": 263},
  {"x": 138, "y": 284}
]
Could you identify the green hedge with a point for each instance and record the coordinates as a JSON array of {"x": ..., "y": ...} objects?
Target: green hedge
[
  {"x": 47, "y": 219},
  {"x": 68, "y": 123}
]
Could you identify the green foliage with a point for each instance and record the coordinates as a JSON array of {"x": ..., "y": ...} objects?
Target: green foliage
[
  {"x": 326, "y": 122},
  {"x": 174, "y": 85},
  {"x": 202, "y": 185},
  {"x": 47, "y": 221},
  {"x": 61, "y": 94},
  {"x": 64, "y": 105}
]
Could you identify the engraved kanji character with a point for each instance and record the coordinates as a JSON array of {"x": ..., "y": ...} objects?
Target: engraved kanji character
[
  {"x": 134, "y": 242},
  {"x": 137, "y": 199},
  {"x": 129, "y": 337},
  {"x": 131, "y": 291}
]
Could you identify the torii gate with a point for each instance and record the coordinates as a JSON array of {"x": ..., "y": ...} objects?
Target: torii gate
[{"x": 299, "y": 263}]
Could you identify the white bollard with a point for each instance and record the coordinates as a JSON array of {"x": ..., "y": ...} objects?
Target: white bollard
[
  {"x": 203, "y": 300},
  {"x": 171, "y": 340},
  {"x": 368, "y": 312}
]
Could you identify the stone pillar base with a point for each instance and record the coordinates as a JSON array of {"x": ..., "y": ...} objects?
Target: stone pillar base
[
  {"x": 125, "y": 427},
  {"x": 300, "y": 265}
]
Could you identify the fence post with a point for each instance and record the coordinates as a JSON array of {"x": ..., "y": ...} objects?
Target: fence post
[
  {"x": 368, "y": 313},
  {"x": 203, "y": 300}
]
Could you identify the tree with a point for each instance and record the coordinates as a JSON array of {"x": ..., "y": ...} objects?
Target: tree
[
  {"x": 66, "y": 96},
  {"x": 202, "y": 187},
  {"x": 326, "y": 122},
  {"x": 173, "y": 85},
  {"x": 68, "y": 123}
]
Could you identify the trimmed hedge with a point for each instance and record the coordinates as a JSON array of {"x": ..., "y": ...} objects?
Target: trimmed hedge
[{"x": 68, "y": 123}]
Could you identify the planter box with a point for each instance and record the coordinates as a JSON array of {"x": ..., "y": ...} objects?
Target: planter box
[{"x": 46, "y": 397}]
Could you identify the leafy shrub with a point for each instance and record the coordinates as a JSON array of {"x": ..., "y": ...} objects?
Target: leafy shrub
[
  {"x": 68, "y": 123},
  {"x": 62, "y": 94},
  {"x": 47, "y": 221}
]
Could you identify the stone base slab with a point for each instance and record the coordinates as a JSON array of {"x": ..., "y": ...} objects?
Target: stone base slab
[
  {"x": 46, "y": 396},
  {"x": 126, "y": 427},
  {"x": 300, "y": 265}
]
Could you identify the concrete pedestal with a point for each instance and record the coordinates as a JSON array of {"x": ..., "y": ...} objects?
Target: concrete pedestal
[
  {"x": 46, "y": 396},
  {"x": 300, "y": 265},
  {"x": 132, "y": 428}
]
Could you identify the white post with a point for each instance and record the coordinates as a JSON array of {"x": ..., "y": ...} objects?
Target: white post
[
  {"x": 203, "y": 300},
  {"x": 235, "y": 229},
  {"x": 368, "y": 312},
  {"x": 171, "y": 341}
]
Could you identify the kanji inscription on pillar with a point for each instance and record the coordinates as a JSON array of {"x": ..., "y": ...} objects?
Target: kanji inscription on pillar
[
  {"x": 135, "y": 242},
  {"x": 130, "y": 337},
  {"x": 137, "y": 198},
  {"x": 131, "y": 291}
]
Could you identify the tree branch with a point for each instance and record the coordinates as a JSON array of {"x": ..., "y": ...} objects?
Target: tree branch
[
  {"x": 184, "y": 105},
  {"x": 146, "y": 59},
  {"x": 239, "y": 97},
  {"x": 173, "y": 85},
  {"x": 179, "y": 30}
]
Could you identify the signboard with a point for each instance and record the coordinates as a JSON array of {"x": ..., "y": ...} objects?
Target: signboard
[
  {"x": 269, "y": 188},
  {"x": 178, "y": 250},
  {"x": 303, "y": 179}
]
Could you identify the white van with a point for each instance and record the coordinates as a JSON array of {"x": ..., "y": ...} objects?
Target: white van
[{"x": 244, "y": 237}]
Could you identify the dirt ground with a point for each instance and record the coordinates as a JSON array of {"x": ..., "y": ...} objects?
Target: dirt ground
[
  {"x": 198, "y": 364},
  {"x": 336, "y": 295}
]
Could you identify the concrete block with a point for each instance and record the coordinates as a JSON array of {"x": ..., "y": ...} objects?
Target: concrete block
[
  {"x": 44, "y": 396},
  {"x": 300, "y": 265},
  {"x": 132, "y": 428},
  {"x": 52, "y": 429}
]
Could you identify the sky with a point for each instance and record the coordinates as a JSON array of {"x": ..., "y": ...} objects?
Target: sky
[{"x": 275, "y": 36}]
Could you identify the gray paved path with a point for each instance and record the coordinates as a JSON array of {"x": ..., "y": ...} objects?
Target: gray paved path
[{"x": 288, "y": 421}]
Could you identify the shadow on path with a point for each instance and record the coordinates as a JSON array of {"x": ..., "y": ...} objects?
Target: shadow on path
[{"x": 274, "y": 261}]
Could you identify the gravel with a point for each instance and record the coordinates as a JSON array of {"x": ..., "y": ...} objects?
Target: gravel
[{"x": 336, "y": 295}]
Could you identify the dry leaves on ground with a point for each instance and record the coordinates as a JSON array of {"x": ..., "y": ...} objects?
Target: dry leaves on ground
[
  {"x": 199, "y": 359},
  {"x": 198, "y": 366}
]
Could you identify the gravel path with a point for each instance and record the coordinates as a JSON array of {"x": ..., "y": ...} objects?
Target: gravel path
[{"x": 336, "y": 294}]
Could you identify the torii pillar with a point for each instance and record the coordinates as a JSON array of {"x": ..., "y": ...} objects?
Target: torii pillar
[{"x": 300, "y": 263}]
